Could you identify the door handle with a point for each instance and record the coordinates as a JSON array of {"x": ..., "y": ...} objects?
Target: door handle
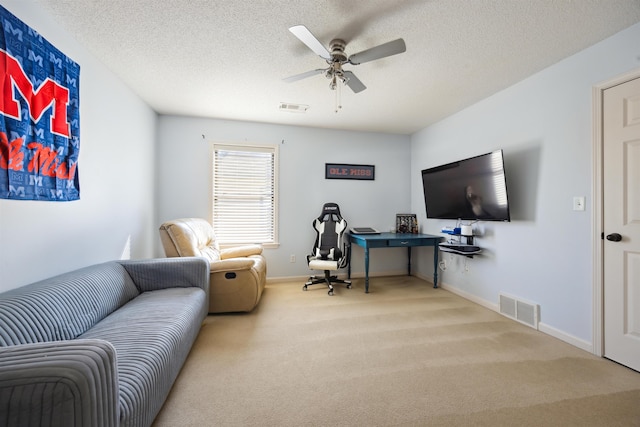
[{"x": 614, "y": 237}]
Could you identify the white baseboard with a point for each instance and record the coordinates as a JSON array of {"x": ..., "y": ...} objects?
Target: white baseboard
[
  {"x": 360, "y": 274},
  {"x": 563, "y": 336},
  {"x": 288, "y": 279},
  {"x": 470, "y": 297},
  {"x": 463, "y": 294}
]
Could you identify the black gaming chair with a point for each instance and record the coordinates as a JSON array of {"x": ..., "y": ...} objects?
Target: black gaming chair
[{"x": 331, "y": 250}]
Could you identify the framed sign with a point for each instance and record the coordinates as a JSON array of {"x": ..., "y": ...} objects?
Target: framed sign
[{"x": 346, "y": 171}]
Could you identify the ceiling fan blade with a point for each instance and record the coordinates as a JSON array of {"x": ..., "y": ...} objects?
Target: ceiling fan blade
[
  {"x": 305, "y": 36},
  {"x": 304, "y": 75},
  {"x": 353, "y": 82},
  {"x": 387, "y": 49}
]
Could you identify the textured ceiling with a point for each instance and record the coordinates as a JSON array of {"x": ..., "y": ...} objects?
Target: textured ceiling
[{"x": 227, "y": 58}]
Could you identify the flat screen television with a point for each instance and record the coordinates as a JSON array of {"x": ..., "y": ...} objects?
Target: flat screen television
[{"x": 469, "y": 189}]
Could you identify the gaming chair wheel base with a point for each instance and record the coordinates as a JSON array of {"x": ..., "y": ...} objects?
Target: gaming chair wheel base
[{"x": 327, "y": 280}]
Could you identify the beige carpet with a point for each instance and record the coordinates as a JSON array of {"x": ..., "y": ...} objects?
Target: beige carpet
[{"x": 403, "y": 355}]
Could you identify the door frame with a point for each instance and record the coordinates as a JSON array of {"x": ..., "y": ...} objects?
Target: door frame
[{"x": 598, "y": 207}]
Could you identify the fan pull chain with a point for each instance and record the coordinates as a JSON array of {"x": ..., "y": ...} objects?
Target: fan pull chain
[{"x": 338, "y": 100}]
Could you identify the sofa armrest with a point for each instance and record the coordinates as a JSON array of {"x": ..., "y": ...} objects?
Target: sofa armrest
[
  {"x": 162, "y": 273},
  {"x": 234, "y": 264},
  {"x": 240, "y": 251},
  {"x": 61, "y": 383}
]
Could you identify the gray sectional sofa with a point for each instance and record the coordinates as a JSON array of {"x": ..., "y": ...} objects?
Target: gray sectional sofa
[{"x": 99, "y": 346}]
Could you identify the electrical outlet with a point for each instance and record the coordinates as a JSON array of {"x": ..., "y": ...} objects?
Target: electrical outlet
[
  {"x": 578, "y": 203},
  {"x": 292, "y": 258}
]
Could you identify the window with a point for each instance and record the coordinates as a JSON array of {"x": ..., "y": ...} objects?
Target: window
[{"x": 245, "y": 193}]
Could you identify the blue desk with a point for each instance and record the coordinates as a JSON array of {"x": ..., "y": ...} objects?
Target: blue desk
[{"x": 395, "y": 240}]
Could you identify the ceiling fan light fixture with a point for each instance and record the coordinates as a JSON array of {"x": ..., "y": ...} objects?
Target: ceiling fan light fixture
[
  {"x": 336, "y": 87},
  {"x": 333, "y": 83}
]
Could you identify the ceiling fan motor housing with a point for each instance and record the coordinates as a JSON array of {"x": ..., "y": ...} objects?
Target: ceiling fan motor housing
[{"x": 337, "y": 51}]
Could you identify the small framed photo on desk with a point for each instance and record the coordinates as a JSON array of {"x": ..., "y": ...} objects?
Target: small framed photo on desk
[{"x": 406, "y": 223}]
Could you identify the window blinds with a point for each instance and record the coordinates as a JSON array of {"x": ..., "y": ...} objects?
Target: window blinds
[{"x": 244, "y": 194}]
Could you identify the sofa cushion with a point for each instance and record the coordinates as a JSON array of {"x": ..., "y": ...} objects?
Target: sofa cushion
[
  {"x": 152, "y": 335},
  {"x": 65, "y": 306}
]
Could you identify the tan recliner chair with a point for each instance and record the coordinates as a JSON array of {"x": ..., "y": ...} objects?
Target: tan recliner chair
[{"x": 238, "y": 274}]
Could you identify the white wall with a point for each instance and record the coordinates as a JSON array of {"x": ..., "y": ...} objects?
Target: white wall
[
  {"x": 544, "y": 125},
  {"x": 115, "y": 215},
  {"x": 185, "y": 173}
]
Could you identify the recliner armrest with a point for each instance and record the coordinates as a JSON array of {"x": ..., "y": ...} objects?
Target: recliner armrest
[
  {"x": 233, "y": 264},
  {"x": 240, "y": 251}
]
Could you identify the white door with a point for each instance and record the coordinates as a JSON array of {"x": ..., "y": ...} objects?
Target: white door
[{"x": 621, "y": 219}]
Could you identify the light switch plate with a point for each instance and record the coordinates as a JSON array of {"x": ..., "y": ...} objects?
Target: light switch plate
[{"x": 578, "y": 203}]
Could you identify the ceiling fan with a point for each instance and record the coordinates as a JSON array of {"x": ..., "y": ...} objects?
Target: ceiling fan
[{"x": 336, "y": 58}]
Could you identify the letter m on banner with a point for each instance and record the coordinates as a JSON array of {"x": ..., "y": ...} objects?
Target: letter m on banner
[{"x": 39, "y": 116}]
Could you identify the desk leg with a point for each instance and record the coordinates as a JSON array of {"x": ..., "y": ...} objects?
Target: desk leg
[
  {"x": 409, "y": 262},
  {"x": 435, "y": 266},
  {"x": 366, "y": 270}
]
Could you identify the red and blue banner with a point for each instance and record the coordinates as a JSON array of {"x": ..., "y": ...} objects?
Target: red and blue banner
[{"x": 39, "y": 116}]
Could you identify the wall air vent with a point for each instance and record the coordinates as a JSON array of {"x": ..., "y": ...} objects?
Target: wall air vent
[
  {"x": 522, "y": 311},
  {"x": 293, "y": 108}
]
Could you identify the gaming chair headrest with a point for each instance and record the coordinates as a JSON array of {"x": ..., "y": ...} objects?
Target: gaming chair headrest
[{"x": 332, "y": 210}]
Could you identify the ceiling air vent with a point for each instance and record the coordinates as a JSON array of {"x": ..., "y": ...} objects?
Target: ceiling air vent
[{"x": 293, "y": 108}]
